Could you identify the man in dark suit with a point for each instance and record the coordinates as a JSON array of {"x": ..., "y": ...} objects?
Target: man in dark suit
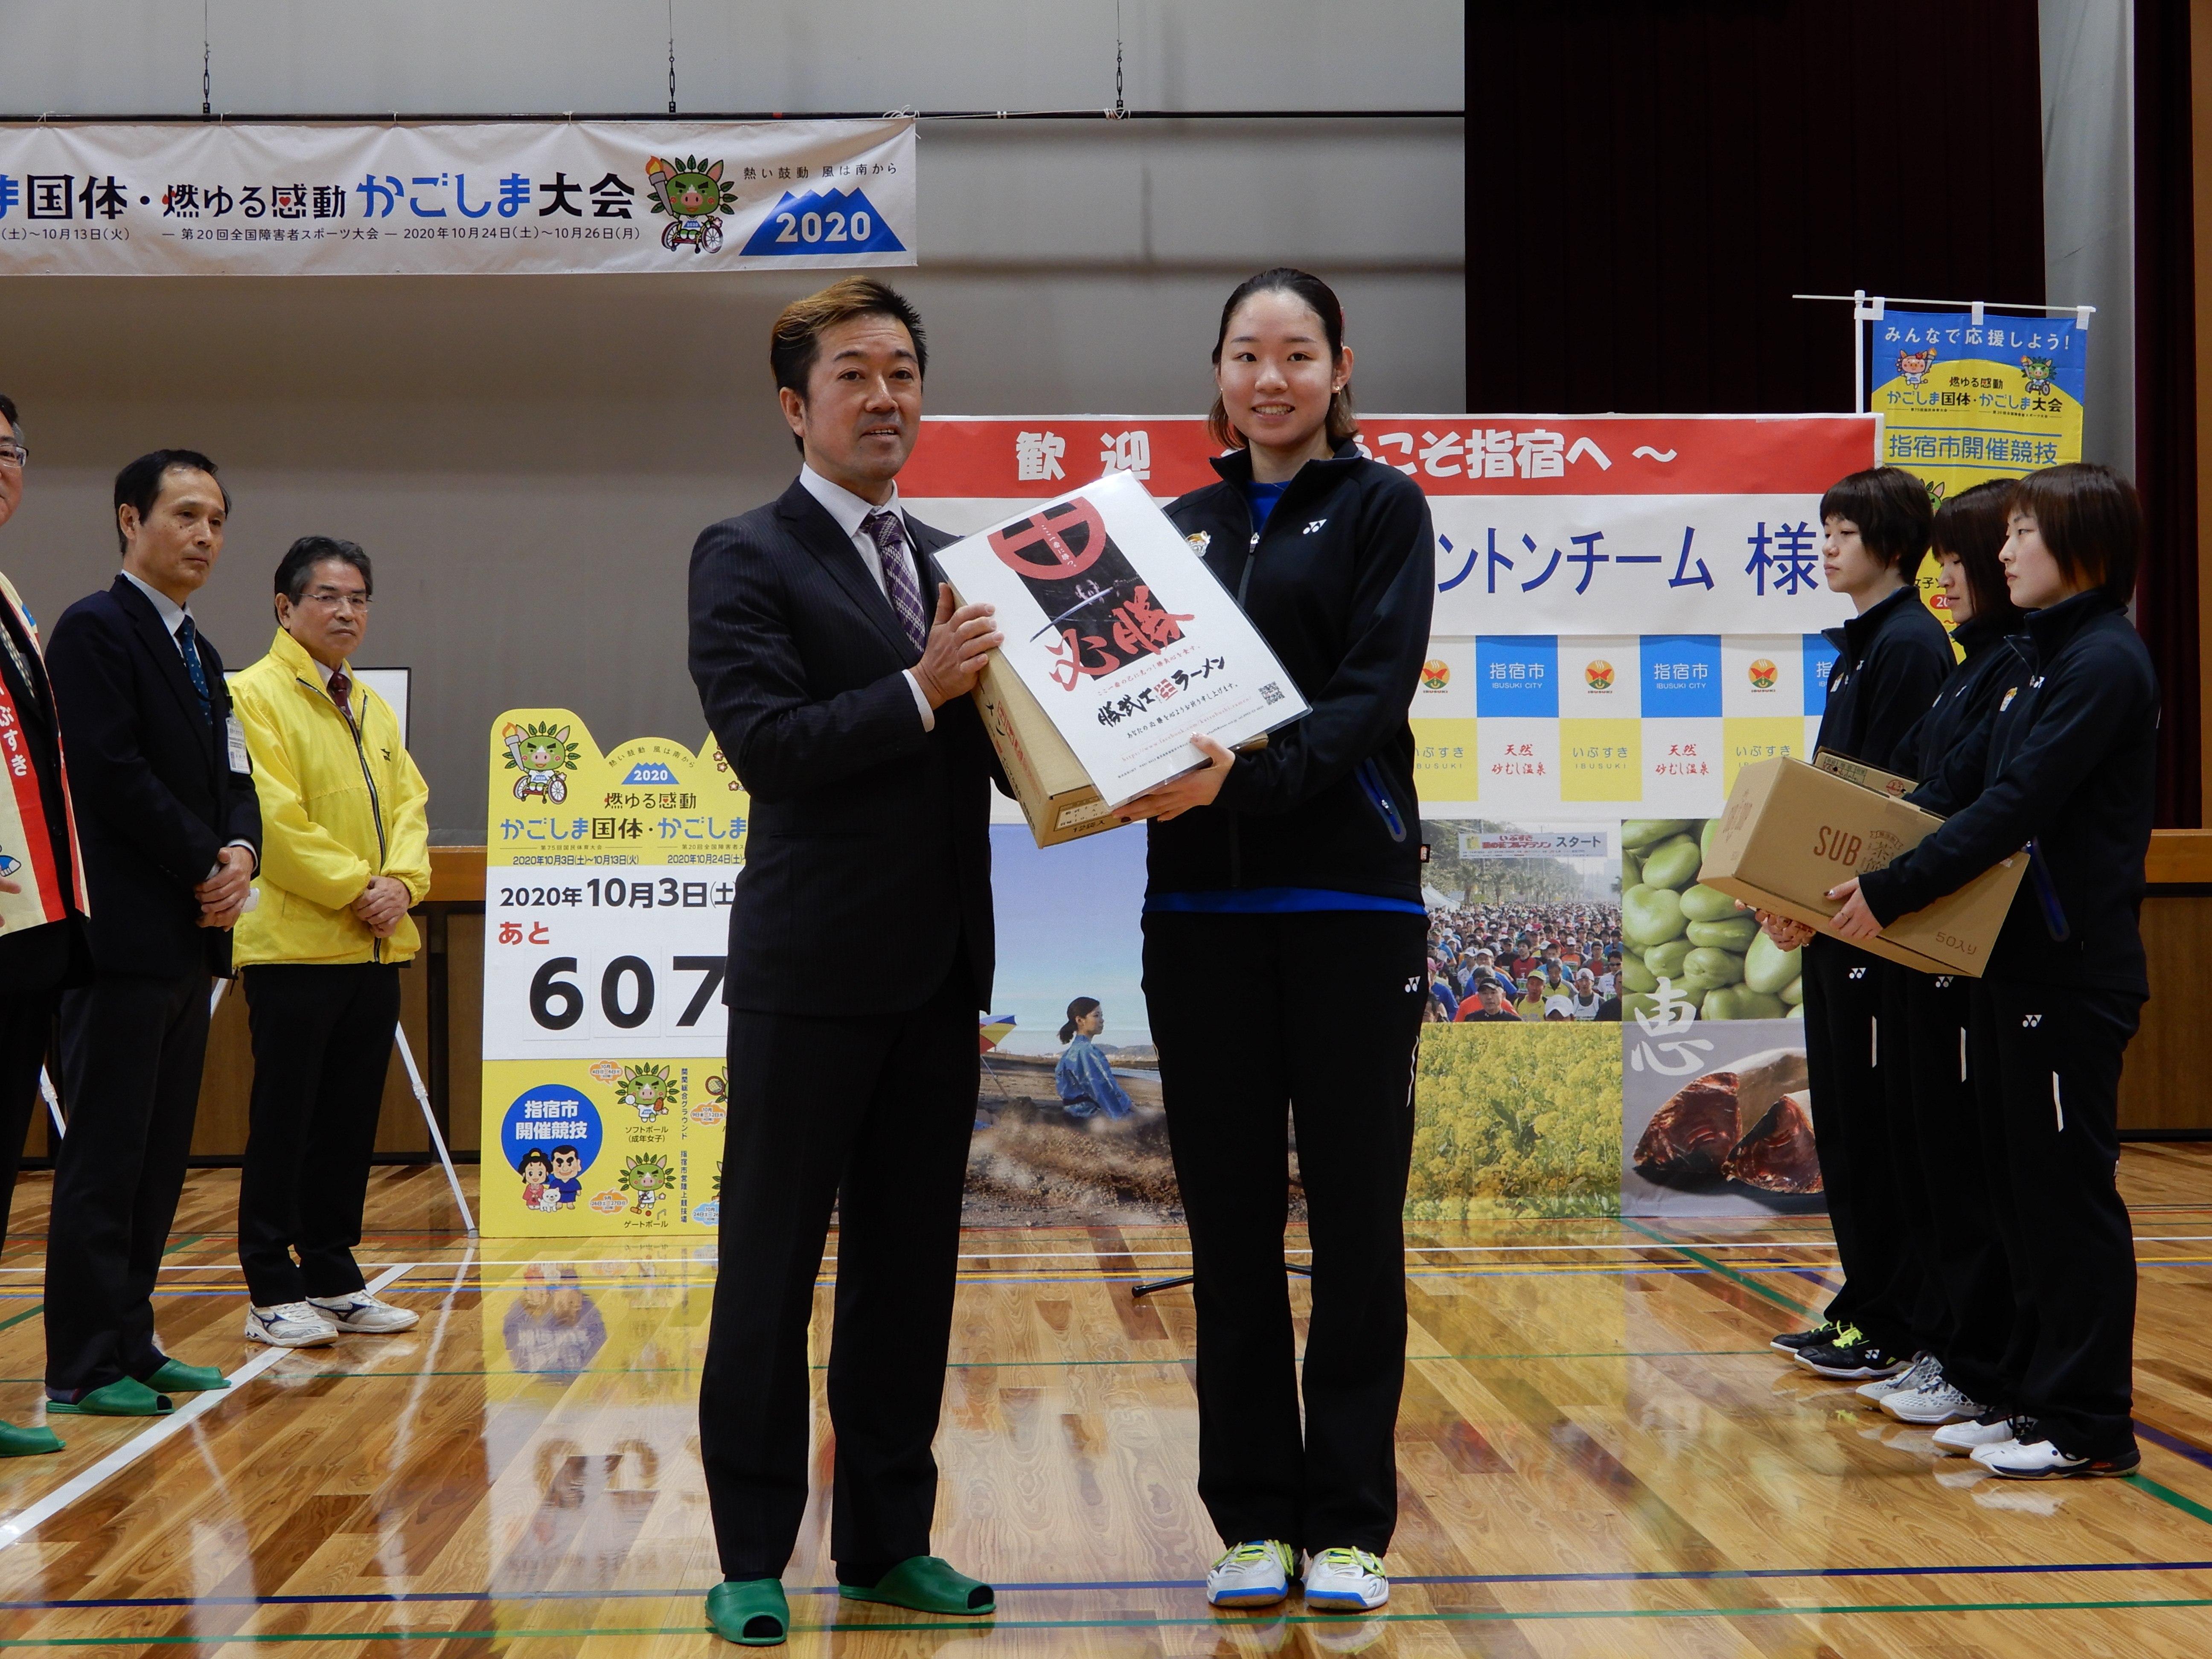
[
  {"x": 838, "y": 691},
  {"x": 169, "y": 826},
  {"x": 42, "y": 946}
]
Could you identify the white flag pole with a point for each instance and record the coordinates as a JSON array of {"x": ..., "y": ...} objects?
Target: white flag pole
[
  {"x": 430, "y": 1119},
  {"x": 53, "y": 1103}
]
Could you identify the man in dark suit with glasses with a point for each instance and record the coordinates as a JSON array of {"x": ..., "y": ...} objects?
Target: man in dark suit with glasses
[
  {"x": 42, "y": 944},
  {"x": 835, "y": 673}
]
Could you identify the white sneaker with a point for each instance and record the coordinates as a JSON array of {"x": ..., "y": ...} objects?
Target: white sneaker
[
  {"x": 1963, "y": 1438},
  {"x": 1925, "y": 1369},
  {"x": 1347, "y": 1581},
  {"x": 2020, "y": 1431},
  {"x": 1933, "y": 1403},
  {"x": 1254, "y": 1575},
  {"x": 288, "y": 1325},
  {"x": 2040, "y": 1459},
  {"x": 357, "y": 1311}
]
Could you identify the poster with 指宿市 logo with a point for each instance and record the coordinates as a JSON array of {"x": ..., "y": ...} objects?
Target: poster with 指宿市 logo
[
  {"x": 608, "y": 885},
  {"x": 1966, "y": 403}
]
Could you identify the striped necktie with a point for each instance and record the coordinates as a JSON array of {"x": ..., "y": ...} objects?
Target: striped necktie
[{"x": 889, "y": 534}]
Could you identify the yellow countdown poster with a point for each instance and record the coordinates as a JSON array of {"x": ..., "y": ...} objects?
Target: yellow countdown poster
[{"x": 609, "y": 881}]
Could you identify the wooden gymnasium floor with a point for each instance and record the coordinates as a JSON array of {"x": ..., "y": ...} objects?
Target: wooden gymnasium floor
[{"x": 1599, "y": 1456}]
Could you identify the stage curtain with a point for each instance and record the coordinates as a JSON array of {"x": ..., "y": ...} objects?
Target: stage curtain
[
  {"x": 2166, "y": 612},
  {"x": 1649, "y": 182}
]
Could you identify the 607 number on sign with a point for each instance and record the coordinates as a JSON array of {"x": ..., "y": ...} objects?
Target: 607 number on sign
[{"x": 628, "y": 993}]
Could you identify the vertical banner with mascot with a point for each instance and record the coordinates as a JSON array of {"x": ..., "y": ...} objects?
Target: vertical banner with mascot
[
  {"x": 608, "y": 885},
  {"x": 1964, "y": 402}
]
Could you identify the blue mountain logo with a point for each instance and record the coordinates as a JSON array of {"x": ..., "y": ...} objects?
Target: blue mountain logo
[
  {"x": 838, "y": 221},
  {"x": 650, "y": 772}
]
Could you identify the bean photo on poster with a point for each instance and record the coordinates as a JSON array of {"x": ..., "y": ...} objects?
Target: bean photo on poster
[{"x": 1710, "y": 955}]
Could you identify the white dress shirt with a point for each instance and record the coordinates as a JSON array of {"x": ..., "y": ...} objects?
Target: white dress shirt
[
  {"x": 172, "y": 617},
  {"x": 171, "y": 613},
  {"x": 849, "y": 510}
]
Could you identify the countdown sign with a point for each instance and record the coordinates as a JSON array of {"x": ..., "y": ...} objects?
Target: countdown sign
[{"x": 608, "y": 887}]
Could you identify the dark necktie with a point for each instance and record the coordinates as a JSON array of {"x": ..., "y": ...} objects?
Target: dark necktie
[
  {"x": 888, "y": 532},
  {"x": 188, "y": 643},
  {"x": 341, "y": 689}
]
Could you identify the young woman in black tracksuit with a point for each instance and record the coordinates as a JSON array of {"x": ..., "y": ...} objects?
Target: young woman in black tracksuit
[
  {"x": 1293, "y": 874},
  {"x": 2068, "y": 763},
  {"x": 1891, "y": 659},
  {"x": 1962, "y": 1318}
]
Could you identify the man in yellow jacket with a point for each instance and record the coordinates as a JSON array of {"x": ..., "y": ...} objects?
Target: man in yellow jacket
[{"x": 345, "y": 854}]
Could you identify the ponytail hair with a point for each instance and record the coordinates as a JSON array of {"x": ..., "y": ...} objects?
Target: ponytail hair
[
  {"x": 1077, "y": 1010},
  {"x": 1319, "y": 298}
]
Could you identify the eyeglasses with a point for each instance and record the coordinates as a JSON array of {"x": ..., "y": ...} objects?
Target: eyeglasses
[
  {"x": 14, "y": 458},
  {"x": 332, "y": 600}
]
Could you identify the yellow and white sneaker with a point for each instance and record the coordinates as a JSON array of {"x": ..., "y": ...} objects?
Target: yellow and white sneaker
[
  {"x": 1254, "y": 1575},
  {"x": 1347, "y": 1581}
]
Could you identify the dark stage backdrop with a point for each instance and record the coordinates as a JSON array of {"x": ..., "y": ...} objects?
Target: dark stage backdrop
[
  {"x": 2166, "y": 397},
  {"x": 1648, "y": 184}
]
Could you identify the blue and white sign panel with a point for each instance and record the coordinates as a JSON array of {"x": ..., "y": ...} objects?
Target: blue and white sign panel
[{"x": 482, "y": 199}]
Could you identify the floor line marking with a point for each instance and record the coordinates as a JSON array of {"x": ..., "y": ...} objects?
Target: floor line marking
[
  {"x": 380, "y": 1598},
  {"x": 1144, "y": 1621},
  {"x": 1722, "y": 1269},
  {"x": 2166, "y": 1495},
  {"x": 25, "y": 1520}
]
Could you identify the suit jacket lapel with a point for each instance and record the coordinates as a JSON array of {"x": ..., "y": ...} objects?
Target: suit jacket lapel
[
  {"x": 169, "y": 659},
  {"x": 820, "y": 535}
]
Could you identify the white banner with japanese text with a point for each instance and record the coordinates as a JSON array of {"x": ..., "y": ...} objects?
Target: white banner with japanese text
[{"x": 475, "y": 198}]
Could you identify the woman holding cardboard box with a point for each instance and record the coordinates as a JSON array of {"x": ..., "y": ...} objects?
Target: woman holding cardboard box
[
  {"x": 1963, "y": 1317},
  {"x": 1893, "y": 657},
  {"x": 2068, "y": 763},
  {"x": 1299, "y": 863}
]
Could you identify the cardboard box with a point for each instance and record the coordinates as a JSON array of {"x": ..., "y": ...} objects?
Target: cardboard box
[
  {"x": 1131, "y": 642},
  {"x": 1866, "y": 777},
  {"x": 1056, "y": 794},
  {"x": 1791, "y": 831},
  {"x": 1057, "y": 798}
]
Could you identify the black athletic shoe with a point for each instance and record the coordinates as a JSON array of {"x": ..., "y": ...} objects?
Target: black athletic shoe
[
  {"x": 1796, "y": 1342},
  {"x": 1851, "y": 1358}
]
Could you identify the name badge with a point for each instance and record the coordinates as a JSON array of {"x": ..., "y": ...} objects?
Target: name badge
[{"x": 239, "y": 761}]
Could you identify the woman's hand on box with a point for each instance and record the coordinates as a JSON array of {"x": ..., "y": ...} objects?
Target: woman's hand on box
[
  {"x": 1178, "y": 795},
  {"x": 1853, "y": 920},
  {"x": 1786, "y": 933}
]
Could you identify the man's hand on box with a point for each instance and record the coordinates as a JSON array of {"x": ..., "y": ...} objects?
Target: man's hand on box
[
  {"x": 1176, "y": 796},
  {"x": 1786, "y": 934},
  {"x": 960, "y": 640},
  {"x": 1853, "y": 920}
]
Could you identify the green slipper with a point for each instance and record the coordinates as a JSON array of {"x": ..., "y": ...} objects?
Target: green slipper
[
  {"x": 177, "y": 1377},
  {"x": 926, "y": 1584},
  {"x": 125, "y": 1397},
  {"x": 750, "y": 1612},
  {"x": 27, "y": 1442}
]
